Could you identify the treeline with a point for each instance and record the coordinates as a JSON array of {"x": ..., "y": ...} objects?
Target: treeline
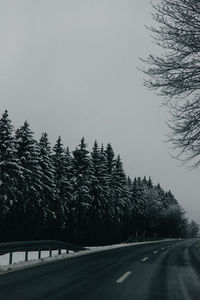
[{"x": 81, "y": 197}]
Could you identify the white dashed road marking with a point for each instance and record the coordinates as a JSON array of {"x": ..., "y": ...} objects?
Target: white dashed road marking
[
  {"x": 122, "y": 278},
  {"x": 155, "y": 252},
  {"x": 145, "y": 258}
]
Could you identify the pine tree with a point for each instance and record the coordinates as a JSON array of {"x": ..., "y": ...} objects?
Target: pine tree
[
  {"x": 170, "y": 199},
  {"x": 129, "y": 182},
  {"x": 151, "y": 211},
  {"x": 10, "y": 173},
  {"x": 99, "y": 166},
  {"x": 120, "y": 196},
  {"x": 110, "y": 159},
  {"x": 119, "y": 184},
  {"x": 150, "y": 183},
  {"x": 138, "y": 193},
  {"x": 144, "y": 181},
  {"x": 30, "y": 187},
  {"x": 48, "y": 182},
  {"x": 138, "y": 205},
  {"x": 61, "y": 161},
  {"x": 100, "y": 195},
  {"x": 82, "y": 199},
  {"x": 162, "y": 196}
]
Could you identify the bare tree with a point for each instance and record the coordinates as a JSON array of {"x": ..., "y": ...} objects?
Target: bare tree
[{"x": 175, "y": 74}]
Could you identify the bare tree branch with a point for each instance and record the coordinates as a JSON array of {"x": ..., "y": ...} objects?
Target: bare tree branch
[{"x": 175, "y": 74}]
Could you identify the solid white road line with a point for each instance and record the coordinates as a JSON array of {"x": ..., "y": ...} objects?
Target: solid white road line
[
  {"x": 155, "y": 252},
  {"x": 121, "y": 279},
  {"x": 145, "y": 258}
]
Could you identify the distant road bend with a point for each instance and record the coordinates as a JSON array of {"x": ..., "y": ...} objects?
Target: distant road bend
[{"x": 155, "y": 271}]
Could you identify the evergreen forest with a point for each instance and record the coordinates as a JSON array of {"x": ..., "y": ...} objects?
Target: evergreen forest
[{"x": 79, "y": 196}]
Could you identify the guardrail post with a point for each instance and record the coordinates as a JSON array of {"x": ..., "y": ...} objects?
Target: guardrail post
[
  {"x": 38, "y": 246},
  {"x": 10, "y": 258},
  {"x": 26, "y": 255}
]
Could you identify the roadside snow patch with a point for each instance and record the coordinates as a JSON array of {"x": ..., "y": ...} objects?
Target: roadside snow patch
[{"x": 19, "y": 263}]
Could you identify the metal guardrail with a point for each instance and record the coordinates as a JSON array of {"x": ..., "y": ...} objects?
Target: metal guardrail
[{"x": 28, "y": 246}]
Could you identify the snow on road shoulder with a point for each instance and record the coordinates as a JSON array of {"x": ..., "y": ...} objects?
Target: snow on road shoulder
[
  {"x": 100, "y": 248},
  {"x": 20, "y": 264}
]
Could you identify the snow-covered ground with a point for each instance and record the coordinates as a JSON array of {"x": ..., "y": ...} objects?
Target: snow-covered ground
[{"x": 19, "y": 257}]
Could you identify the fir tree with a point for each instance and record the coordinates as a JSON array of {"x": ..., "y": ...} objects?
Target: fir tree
[
  {"x": 48, "y": 181},
  {"x": 144, "y": 181},
  {"x": 119, "y": 183},
  {"x": 138, "y": 205},
  {"x": 82, "y": 200},
  {"x": 62, "y": 167},
  {"x": 150, "y": 183},
  {"x": 162, "y": 196},
  {"x": 99, "y": 191},
  {"x": 31, "y": 188},
  {"x": 129, "y": 182},
  {"x": 10, "y": 173},
  {"x": 170, "y": 198},
  {"x": 120, "y": 196},
  {"x": 110, "y": 159}
]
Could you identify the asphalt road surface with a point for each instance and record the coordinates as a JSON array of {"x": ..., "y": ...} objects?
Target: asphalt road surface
[{"x": 156, "y": 271}]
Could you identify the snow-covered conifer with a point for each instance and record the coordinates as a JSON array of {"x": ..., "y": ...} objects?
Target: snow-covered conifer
[
  {"x": 62, "y": 165},
  {"x": 30, "y": 187},
  {"x": 47, "y": 179},
  {"x": 82, "y": 200},
  {"x": 10, "y": 171},
  {"x": 99, "y": 191}
]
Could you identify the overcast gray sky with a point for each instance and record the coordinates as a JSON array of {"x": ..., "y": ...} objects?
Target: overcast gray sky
[{"x": 69, "y": 68}]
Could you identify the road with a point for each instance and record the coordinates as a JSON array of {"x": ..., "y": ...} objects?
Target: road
[{"x": 156, "y": 271}]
